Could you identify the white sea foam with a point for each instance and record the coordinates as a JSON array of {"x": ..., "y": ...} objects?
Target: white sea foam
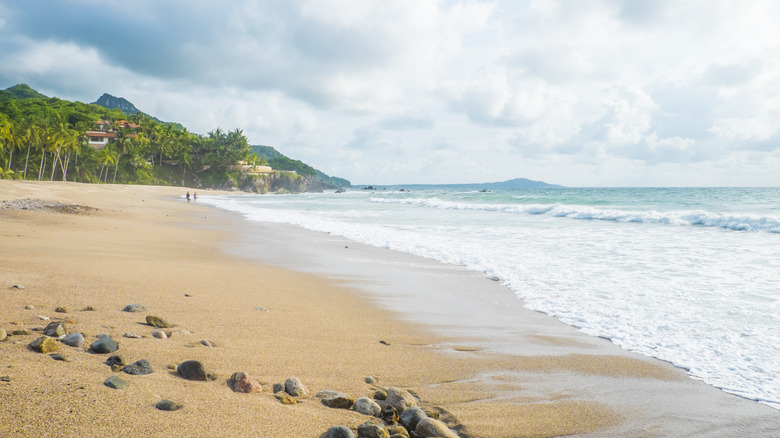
[{"x": 699, "y": 295}]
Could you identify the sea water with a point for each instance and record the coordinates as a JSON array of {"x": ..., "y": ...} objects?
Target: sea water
[{"x": 686, "y": 275}]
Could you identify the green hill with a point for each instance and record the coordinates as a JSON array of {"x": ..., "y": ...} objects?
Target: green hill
[
  {"x": 279, "y": 161},
  {"x": 20, "y": 91}
]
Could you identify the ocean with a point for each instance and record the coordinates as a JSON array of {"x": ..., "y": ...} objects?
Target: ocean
[{"x": 687, "y": 275}]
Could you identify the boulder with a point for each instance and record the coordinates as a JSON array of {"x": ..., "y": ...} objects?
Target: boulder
[
  {"x": 294, "y": 387},
  {"x": 370, "y": 429},
  {"x": 400, "y": 399},
  {"x": 241, "y": 382},
  {"x": 366, "y": 406},
  {"x": 134, "y": 308},
  {"x": 115, "y": 382},
  {"x": 339, "y": 401},
  {"x": 156, "y": 321},
  {"x": 429, "y": 427},
  {"x": 339, "y": 432},
  {"x": 55, "y": 329},
  {"x": 74, "y": 340},
  {"x": 104, "y": 345},
  {"x": 139, "y": 368},
  {"x": 44, "y": 344},
  {"x": 411, "y": 416},
  {"x": 193, "y": 370}
]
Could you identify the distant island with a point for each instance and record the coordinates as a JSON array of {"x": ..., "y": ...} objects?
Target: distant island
[
  {"x": 517, "y": 183},
  {"x": 112, "y": 141}
]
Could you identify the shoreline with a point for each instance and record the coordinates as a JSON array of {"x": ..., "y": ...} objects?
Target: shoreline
[{"x": 145, "y": 244}]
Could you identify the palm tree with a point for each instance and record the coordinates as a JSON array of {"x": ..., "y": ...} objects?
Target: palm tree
[
  {"x": 105, "y": 157},
  {"x": 32, "y": 134},
  {"x": 6, "y": 138}
]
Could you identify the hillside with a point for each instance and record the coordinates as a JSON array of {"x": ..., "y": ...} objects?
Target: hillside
[
  {"x": 279, "y": 161},
  {"x": 20, "y": 91}
]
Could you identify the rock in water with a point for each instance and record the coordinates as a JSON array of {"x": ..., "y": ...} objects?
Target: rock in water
[
  {"x": 339, "y": 432},
  {"x": 167, "y": 405},
  {"x": 339, "y": 401},
  {"x": 241, "y": 382},
  {"x": 429, "y": 427},
  {"x": 104, "y": 345},
  {"x": 411, "y": 416},
  {"x": 139, "y": 368},
  {"x": 366, "y": 406},
  {"x": 55, "y": 329},
  {"x": 294, "y": 387},
  {"x": 193, "y": 370},
  {"x": 285, "y": 398},
  {"x": 115, "y": 382},
  {"x": 74, "y": 340},
  {"x": 44, "y": 344},
  {"x": 135, "y": 308},
  {"x": 400, "y": 399},
  {"x": 158, "y": 322}
]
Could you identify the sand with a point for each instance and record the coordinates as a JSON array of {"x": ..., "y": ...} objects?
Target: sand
[{"x": 140, "y": 244}]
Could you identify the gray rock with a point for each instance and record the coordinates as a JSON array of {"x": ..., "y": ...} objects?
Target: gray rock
[
  {"x": 132, "y": 336},
  {"x": 104, "y": 345},
  {"x": 400, "y": 399},
  {"x": 294, "y": 387},
  {"x": 167, "y": 405},
  {"x": 135, "y": 308},
  {"x": 325, "y": 393},
  {"x": 429, "y": 427},
  {"x": 115, "y": 382},
  {"x": 139, "y": 368},
  {"x": 193, "y": 370},
  {"x": 277, "y": 387},
  {"x": 115, "y": 360},
  {"x": 370, "y": 380},
  {"x": 339, "y": 432},
  {"x": 3, "y": 335},
  {"x": 380, "y": 394},
  {"x": 206, "y": 343},
  {"x": 411, "y": 416},
  {"x": 55, "y": 329},
  {"x": 74, "y": 340},
  {"x": 159, "y": 334},
  {"x": 59, "y": 357},
  {"x": 339, "y": 401},
  {"x": 366, "y": 406},
  {"x": 371, "y": 429}
]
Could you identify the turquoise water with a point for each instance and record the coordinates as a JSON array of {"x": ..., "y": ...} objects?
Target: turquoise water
[{"x": 688, "y": 275}]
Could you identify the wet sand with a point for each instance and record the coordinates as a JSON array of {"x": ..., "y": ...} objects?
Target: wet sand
[{"x": 276, "y": 309}]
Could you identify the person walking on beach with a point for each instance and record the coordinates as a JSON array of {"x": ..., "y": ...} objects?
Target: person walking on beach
[
  {"x": 188, "y": 196},
  {"x": 194, "y": 196}
]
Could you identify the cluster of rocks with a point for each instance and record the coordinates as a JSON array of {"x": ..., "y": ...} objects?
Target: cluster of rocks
[
  {"x": 38, "y": 205},
  {"x": 394, "y": 413}
]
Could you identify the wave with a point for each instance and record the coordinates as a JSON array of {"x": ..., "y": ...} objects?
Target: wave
[{"x": 735, "y": 222}]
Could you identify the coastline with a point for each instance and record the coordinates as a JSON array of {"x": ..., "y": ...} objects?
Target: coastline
[{"x": 326, "y": 315}]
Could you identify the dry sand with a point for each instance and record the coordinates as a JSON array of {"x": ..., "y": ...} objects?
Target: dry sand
[{"x": 147, "y": 245}]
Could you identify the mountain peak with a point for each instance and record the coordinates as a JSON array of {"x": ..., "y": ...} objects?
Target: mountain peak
[
  {"x": 112, "y": 102},
  {"x": 23, "y": 91}
]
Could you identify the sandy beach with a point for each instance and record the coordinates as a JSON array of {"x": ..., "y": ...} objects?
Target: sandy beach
[{"x": 123, "y": 245}]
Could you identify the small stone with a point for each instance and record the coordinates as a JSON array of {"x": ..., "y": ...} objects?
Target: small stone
[
  {"x": 241, "y": 382},
  {"x": 339, "y": 432},
  {"x": 285, "y": 398},
  {"x": 59, "y": 357},
  {"x": 370, "y": 380},
  {"x": 104, "y": 345},
  {"x": 370, "y": 429},
  {"x": 261, "y": 309},
  {"x": 159, "y": 334},
  {"x": 172, "y": 367},
  {"x": 411, "y": 416},
  {"x": 17, "y": 286},
  {"x": 380, "y": 394},
  {"x": 187, "y": 295},
  {"x": 397, "y": 431},
  {"x": 29, "y": 307},
  {"x": 400, "y": 399},
  {"x": 88, "y": 309},
  {"x": 5, "y": 379},
  {"x": 206, "y": 343},
  {"x": 182, "y": 332},
  {"x": 115, "y": 382},
  {"x": 325, "y": 393},
  {"x": 389, "y": 414},
  {"x": 44, "y": 344},
  {"x": 115, "y": 359},
  {"x": 74, "y": 340},
  {"x": 193, "y": 370},
  {"x": 134, "y": 308},
  {"x": 43, "y": 317},
  {"x": 61, "y": 309},
  {"x": 167, "y": 405},
  {"x": 429, "y": 427},
  {"x": 3, "y": 335},
  {"x": 366, "y": 406},
  {"x": 158, "y": 322},
  {"x": 139, "y": 368},
  {"x": 339, "y": 401},
  {"x": 20, "y": 332},
  {"x": 294, "y": 387},
  {"x": 278, "y": 387},
  {"x": 132, "y": 335}
]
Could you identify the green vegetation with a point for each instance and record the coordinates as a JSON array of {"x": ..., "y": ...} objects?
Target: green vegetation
[{"x": 44, "y": 138}]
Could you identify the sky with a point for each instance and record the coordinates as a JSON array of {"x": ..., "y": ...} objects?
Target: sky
[{"x": 571, "y": 92}]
